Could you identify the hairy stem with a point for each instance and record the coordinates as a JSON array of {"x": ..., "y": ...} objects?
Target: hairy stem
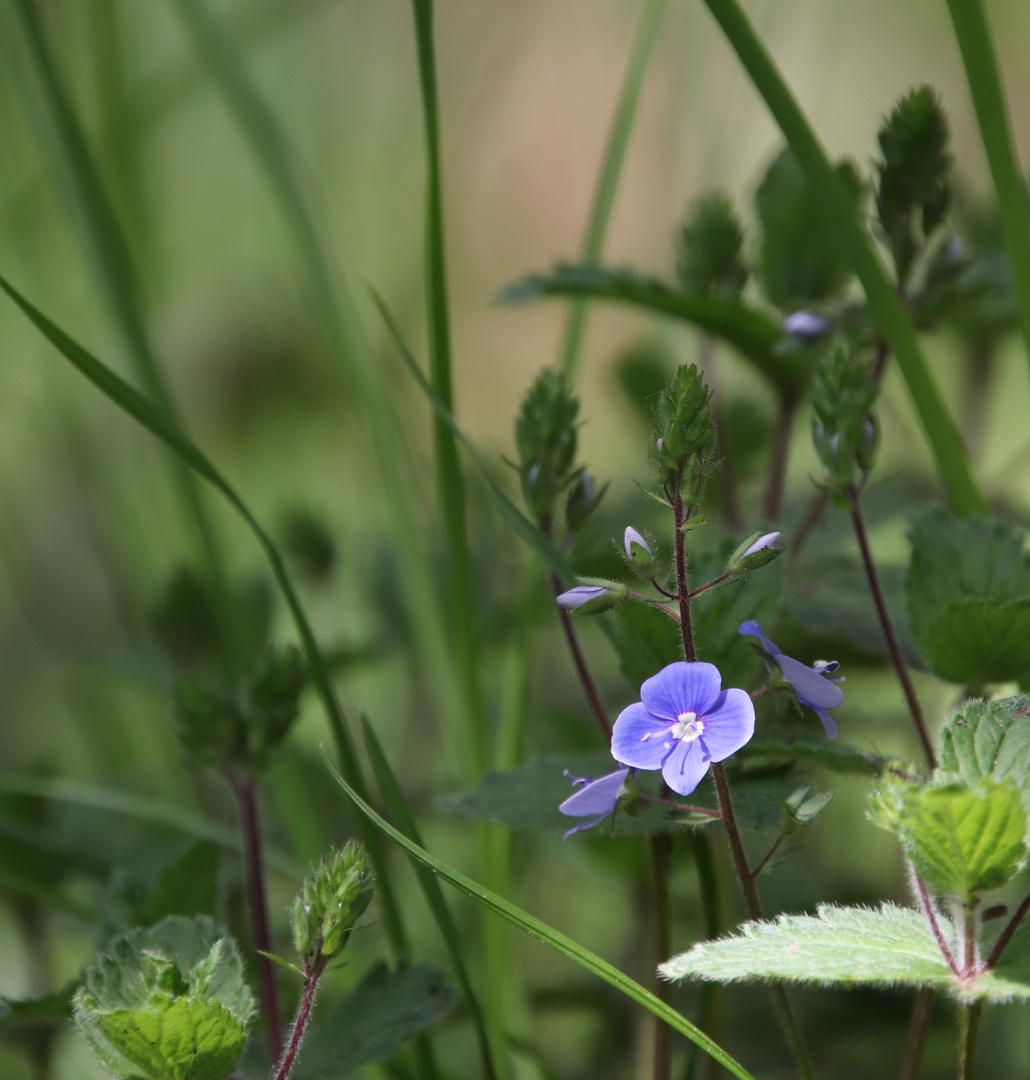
[
  {"x": 244, "y": 788},
  {"x": 778, "y": 463},
  {"x": 312, "y": 975},
  {"x": 888, "y": 631},
  {"x": 679, "y": 511},
  {"x": 661, "y": 854},
  {"x": 968, "y": 1029},
  {"x": 926, "y": 906},
  {"x": 915, "y": 1041}
]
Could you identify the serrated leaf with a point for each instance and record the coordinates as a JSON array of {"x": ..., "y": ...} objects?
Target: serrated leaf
[
  {"x": 753, "y": 334},
  {"x": 852, "y": 947},
  {"x": 646, "y": 640},
  {"x": 176, "y": 1038},
  {"x": 167, "y": 1003},
  {"x": 988, "y": 740},
  {"x": 968, "y": 593},
  {"x": 964, "y": 840},
  {"x": 367, "y": 1025}
]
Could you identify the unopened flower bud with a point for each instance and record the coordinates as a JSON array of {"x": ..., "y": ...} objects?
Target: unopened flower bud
[
  {"x": 756, "y": 551},
  {"x": 806, "y": 325},
  {"x": 330, "y": 902},
  {"x": 639, "y": 553},
  {"x": 593, "y": 596},
  {"x": 868, "y": 444}
]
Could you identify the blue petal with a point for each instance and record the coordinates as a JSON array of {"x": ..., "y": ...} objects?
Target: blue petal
[
  {"x": 754, "y": 629},
  {"x": 597, "y": 797},
  {"x": 686, "y": 767},
  {"x": 811, "y": 687},
  {"x": 828, "y": 722},
  {"x": 680, "y": 688},
  {"x": 730, "y": 725},
  {"x": 583, "y": 825},
  {"x": 640, "y": 739}
]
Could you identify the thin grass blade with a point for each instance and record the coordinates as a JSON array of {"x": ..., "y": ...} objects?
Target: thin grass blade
[
  {"x": 973, "y": 35},
  {"x": 885, "y": 308},
  {"x": 548, "y": 936},
  {"x": 644, "y": 37},
  {"x": 158, "y": 424},
  {"x": 398, "y": 808}
]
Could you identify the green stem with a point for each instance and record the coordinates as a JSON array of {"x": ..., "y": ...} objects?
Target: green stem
[
  {"x": 968, "y": 1030},
  {"x": 608, "y": 178}
]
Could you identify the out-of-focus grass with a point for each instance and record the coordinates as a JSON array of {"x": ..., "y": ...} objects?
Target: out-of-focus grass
[{"x": 88, "y": 525}]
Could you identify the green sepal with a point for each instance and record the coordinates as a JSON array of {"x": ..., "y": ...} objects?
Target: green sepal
[
  {"x": 741, "y": 563},
  {"x": 801, "y": 807}
]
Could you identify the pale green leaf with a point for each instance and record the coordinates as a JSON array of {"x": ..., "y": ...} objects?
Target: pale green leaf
[
  {"x": 988, "y": 740},
  {"x": 965, "y": 840}
]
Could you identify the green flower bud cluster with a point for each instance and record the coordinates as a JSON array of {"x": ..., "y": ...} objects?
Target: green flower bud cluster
[
  {"x": 709, "y": 257},
  {"x": 245, "y": 729},
  {"x": 545, "y": 436},
  {"x": 913, "y": 192},
  {"x": 683, "y": 435},
  {"x": 845, "y": 429},
  {"x": 167, "y": 1003},
  {"x": 330, "y": 902}
]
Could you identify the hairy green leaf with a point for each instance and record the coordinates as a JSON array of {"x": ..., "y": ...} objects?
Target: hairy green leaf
[
  {"x": 847, "y": 948},
  {"x": 988, "y": 740},
  {"x": 752, "y": 333},
  {"x": 968, "y": 593}
]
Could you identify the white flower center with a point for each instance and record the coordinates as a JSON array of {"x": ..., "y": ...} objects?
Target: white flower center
[{"x": 687, "y": 727}]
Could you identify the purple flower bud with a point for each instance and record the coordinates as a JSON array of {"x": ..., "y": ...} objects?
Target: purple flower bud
[
  {"x": 805, "y": 324},
  {"x": 580, "y": 595},
  {"x": 762, "y": 542},
  {"x": 632, "y": 537}
]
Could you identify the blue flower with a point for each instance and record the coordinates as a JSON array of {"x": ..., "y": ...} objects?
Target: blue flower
[
  {"x": 683, "y": 722},
  {"x": 811, "y": 684},
  {"x": 596, "y": 798}
]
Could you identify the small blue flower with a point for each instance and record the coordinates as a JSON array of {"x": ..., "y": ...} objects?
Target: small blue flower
[
  {"x": 683, "y": 722},
  {"x": 596, "y": 798},
  {"x": 811, "y": 684}
]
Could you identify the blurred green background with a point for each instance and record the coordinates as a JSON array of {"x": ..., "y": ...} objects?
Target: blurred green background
[{"x": 90, "y": 529}]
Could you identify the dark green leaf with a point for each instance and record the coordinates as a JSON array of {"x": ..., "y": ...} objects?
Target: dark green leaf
[
  {"x": 187, "y": 887},
  {"x": 968, "y": 592},
  {"x": 369, "y": 1024},
  {"x": 646, "y": 640},
  {"x": 799, "y": 261},
  {"x": 753, "y": 334}
]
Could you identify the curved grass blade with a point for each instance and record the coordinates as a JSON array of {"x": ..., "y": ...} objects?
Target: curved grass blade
[
  {"x": 548, "y": 936},
  {"x": 334, "y": 311},
  {"x": 644, "y": 37},
  {"x": 107, "y": 247},
  {"x": 141, "y": 410},
  {"x": 974, "y": 40},
  {"x": 752, "y": 333},
  {"x": 398, "y": 807},
  {"x": 885, "y": 308}
]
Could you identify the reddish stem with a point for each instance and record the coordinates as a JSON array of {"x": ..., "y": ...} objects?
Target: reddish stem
[
  {"x": 926, "y": 906},
  {"x": 312, "y": 975},
  {"x": 679, "y": 513},
  {"x": 778, "y": 465},
  {"x": 585, "y": 678},
  {"x": 244, "y": 788},
  {"x": 1006, "y": 934},
  {"x": 888, "y": 631}
]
